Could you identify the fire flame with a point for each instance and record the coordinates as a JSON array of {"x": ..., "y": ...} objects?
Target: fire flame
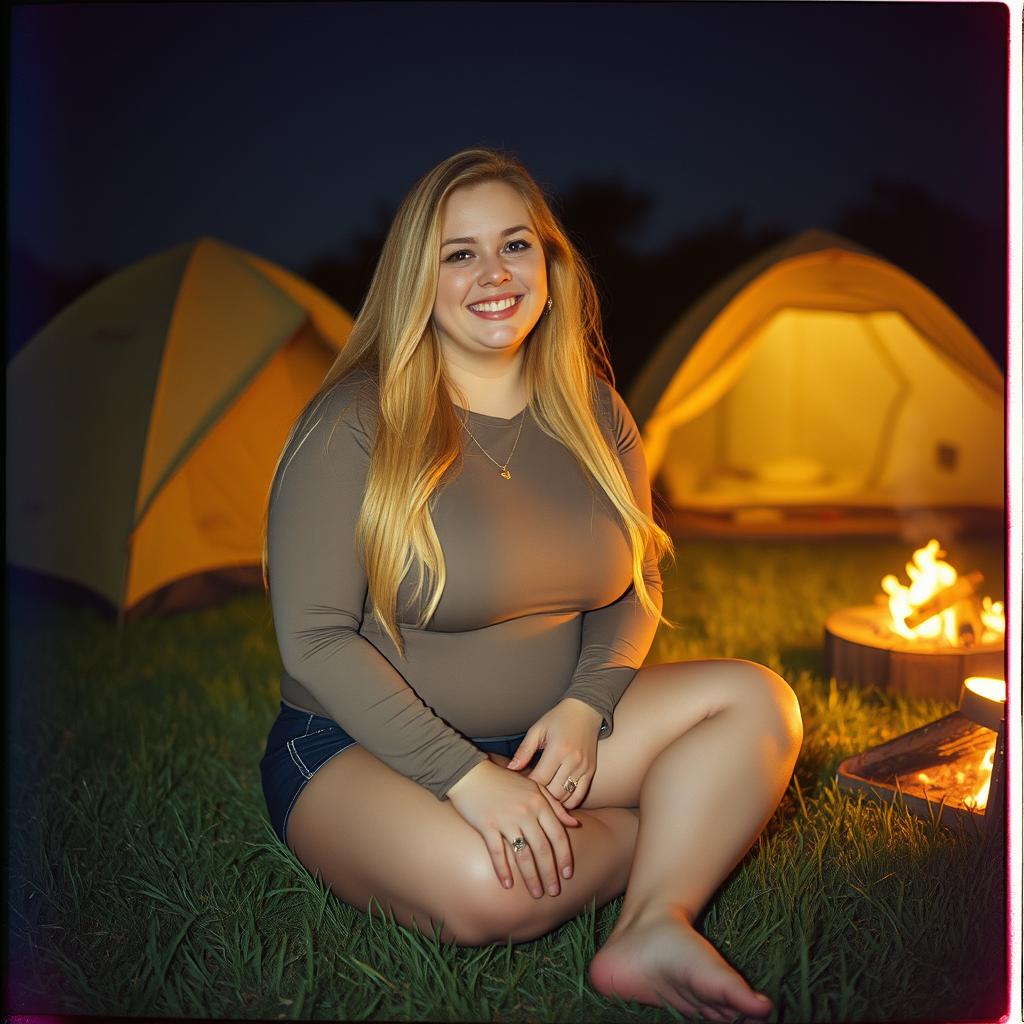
[
  {"x": 993, "y": 616},
  {"x": 929, "y": 576},
  {"x": 980, "y": 799},
  {"x": 982, "y": 776}
]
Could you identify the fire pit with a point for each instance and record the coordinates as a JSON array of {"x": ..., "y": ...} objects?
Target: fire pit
[
  {"x": 953, "y": 767},
  {"x": 921, "y": 640}
]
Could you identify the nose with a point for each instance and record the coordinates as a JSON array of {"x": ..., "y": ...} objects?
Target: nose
[{"x": 493, "y": 269}]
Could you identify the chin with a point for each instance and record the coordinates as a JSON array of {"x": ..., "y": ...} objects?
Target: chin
[
  {"x": 507, "y": 338},
  {"x": 504, "y": 346}
]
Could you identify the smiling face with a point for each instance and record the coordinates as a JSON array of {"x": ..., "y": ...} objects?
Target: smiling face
[{"x": 492, "y": 281}]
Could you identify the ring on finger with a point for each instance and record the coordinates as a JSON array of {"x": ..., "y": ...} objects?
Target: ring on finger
[
  {"x": 519, "y": 844},
  {"x": 569, "y": 786}
]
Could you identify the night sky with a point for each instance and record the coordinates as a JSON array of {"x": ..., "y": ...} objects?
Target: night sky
[{"x": 285, "y": 129}]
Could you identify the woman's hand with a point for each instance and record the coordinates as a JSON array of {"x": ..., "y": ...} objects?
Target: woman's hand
[
  {"x": 502, "y": 807},
  {"x": 568, "y": 733}
]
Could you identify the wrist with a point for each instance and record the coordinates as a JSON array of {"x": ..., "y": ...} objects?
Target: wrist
[
  {"x": 596, "y": 715},
  {"x": 467, "y": 781}
]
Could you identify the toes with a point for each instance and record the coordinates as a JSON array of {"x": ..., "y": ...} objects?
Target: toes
[
  {"x": 750, "y": 1003},
  {"x": 693, "y": 1004},
  {"x": 677, "y": 1002},
  {"x": 721, "y": 1005},
  {"x": 731, "y": 997},
  {"x": 726, "y": 1014},
  {"x": 732, "y": 1012},
  {"x": 761, "y": 1007}
]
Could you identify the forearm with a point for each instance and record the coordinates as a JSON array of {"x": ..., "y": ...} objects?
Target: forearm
[{"x": 356, "y": 686}]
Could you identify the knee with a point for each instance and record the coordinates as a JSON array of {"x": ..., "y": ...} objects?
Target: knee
[
  {"x": 480, "y": 912},
  {"x": 771, "y": 700}
]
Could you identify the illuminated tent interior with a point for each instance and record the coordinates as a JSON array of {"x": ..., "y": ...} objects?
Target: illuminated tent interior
[
  {"x": 819, "y": 376},
  {"x": 145, "y": 420}
]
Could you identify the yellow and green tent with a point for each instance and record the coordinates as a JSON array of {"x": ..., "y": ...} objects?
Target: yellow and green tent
[
  {"x": 819, "y": 375},
  {"x": 145, "y": 420}
]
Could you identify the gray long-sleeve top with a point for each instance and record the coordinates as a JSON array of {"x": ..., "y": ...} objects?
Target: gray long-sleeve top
[{"x": 538, "y": 604}]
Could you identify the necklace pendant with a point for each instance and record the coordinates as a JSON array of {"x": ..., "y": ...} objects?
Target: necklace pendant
[{"x": 506, "y": 474}]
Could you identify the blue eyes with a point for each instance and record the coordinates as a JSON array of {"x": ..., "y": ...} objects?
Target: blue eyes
[{"x": 513, "y": 246}]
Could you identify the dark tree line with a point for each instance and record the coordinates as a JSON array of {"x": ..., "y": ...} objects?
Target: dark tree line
[{"x": 959, "y": 257}]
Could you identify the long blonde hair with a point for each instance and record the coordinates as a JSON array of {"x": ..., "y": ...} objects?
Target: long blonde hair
[{"x": 419, "y": 436}]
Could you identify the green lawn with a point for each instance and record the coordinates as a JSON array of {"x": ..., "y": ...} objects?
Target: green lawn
[{"x": 144, "y": 879}]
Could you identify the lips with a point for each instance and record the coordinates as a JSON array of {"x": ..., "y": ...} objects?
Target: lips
[{"x": 498, "y": 307}]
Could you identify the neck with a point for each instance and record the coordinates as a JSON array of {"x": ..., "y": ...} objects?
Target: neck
[{"x": 501, "y": 392}]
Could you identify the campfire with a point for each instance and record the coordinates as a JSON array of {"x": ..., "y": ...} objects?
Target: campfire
[
  {"x": 920, "y": 638},
  {"x": 940, "y": 606},
  {"x": 952, "y": 767}
]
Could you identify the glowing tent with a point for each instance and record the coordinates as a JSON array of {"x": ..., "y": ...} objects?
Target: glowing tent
[
  {"x": 145, "y": 420},
  {"x": 818, "y": 375}
]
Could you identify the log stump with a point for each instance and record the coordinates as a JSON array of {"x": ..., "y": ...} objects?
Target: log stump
[{"x": 860, "y": 648}]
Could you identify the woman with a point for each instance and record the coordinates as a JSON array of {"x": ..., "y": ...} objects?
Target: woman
[{"x": 463, "y": 566}]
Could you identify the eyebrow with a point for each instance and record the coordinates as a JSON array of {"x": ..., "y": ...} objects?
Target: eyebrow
[{"x": 504, "y": 234}]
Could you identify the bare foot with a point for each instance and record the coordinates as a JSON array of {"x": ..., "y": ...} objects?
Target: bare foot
[{"x": 660, "y": 959}]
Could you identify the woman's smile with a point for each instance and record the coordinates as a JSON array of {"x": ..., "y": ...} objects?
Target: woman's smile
[{"x": 501, "y": 307}]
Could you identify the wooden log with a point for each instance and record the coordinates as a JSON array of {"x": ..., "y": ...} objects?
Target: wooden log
[
  {"x": 965, "y": 586},
  {"x": 860, "y": 648}
]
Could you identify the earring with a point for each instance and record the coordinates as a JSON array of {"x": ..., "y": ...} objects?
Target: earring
[{"x": 549, "y": 304}]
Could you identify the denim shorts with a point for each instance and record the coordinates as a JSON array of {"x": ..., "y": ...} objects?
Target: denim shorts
[{"x": 300, "y": 744}]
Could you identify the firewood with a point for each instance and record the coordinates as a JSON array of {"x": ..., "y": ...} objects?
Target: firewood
[
  {"x": 970, "y": 628},
  {"x": 963, "y": 587}
]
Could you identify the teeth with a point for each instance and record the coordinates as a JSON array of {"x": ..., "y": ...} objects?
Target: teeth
[{"x": 493, "y": 307}]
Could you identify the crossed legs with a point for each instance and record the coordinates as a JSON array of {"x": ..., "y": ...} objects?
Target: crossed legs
[{"x": 704, "y": 749}]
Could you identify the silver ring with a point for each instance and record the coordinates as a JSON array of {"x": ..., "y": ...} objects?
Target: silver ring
[
  {"x": 519, "y": 843},
  {"x": 569, "y": 786}
]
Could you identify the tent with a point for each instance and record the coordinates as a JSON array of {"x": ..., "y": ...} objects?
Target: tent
[
  {"x": 144, "y": 422},
  {"x": 820, "y": 376}
]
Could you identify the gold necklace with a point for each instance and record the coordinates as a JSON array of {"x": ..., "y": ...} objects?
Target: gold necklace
[{"x": 504, "y": 468}]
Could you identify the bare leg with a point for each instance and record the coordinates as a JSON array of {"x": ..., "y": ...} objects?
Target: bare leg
[
  {"x": 705, "y": 749},
  {"x": 370, "y": 832},
  {"x": 708, "y": 747}
]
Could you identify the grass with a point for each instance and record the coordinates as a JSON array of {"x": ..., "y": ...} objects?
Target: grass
[{"x": 145, "y": 881}]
